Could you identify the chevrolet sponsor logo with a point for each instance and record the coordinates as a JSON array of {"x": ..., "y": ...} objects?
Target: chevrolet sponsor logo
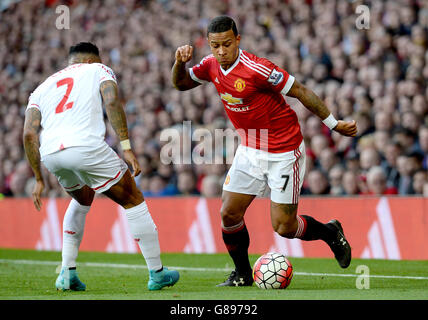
[
  {"x": 230, "y": 100},
  {"x": 238, "y": 109}
]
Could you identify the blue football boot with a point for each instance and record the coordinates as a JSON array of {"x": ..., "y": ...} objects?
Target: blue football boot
[
  {"x": 68, "y": 280},
  {"x": 164, "y": 278}
]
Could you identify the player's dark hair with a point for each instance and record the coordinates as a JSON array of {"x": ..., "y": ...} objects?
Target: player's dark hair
[
  {"x": 84, "y": 47},
  {"x": 222, "y": 24}
]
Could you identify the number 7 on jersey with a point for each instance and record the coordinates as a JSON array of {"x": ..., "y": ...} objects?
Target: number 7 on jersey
[{"x": 62, "y": 106}]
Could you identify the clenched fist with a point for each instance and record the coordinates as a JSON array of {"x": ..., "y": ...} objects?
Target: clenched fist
[
  {"x": 346, "y": 128},
  {"x": 184, "y": 54}
]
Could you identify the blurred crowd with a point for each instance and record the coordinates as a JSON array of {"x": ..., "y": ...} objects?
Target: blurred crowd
[{"x": 376, "y": 76}]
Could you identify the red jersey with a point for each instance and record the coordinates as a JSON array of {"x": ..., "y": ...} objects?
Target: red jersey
[{"x": 252, "y": 91}]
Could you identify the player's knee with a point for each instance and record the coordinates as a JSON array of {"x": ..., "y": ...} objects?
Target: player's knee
[
  {"x": 135, "y": 199},
  {"x": 230, "y": 217},
  {"x": 284, "y": 220},
  {"x": 286, "y": 229}
]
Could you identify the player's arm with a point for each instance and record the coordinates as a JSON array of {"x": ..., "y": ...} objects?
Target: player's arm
[
  {"x": 117, "y": 117},
  {"x": 31, "y": 146},
  {"x": 314, "y": 104},
  {"x": 180, "y": 75}
]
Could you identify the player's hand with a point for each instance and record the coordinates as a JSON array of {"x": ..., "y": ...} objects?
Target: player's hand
[
  {"x": 37, "y": 193},
  {"x": 184, "y": 54},
  {"x": 132, "y": 161},
  {"x": 346, "y": 128}
]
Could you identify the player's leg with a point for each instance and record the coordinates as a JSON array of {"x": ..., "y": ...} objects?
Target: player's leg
[
  {"x": 284, "y": 204},
  {"x": 288, "y": 224},
  {"x": 74, "y": 224},
  {"x": 235, "y": 236},
  {"x": 108, "y": 174},
  {"x": 59, "y": 164},
  {"x": 143, "y": 229},
  {"x": 243, "y": 182},
  {"x": 73, "y": 228}
]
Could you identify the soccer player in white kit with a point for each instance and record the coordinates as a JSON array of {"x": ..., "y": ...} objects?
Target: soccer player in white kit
[{"x": 67, "y": 106}]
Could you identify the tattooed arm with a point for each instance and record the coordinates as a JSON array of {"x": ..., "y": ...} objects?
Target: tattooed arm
[
  {"x": 31, "y": 146},
  {"x": 115, "y": 112},
  {"x": 117, "y": 117},
  {"x": 314, "y": 104}
]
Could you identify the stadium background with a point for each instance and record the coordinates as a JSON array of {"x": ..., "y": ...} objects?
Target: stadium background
[{"x": 376, "y": 76}]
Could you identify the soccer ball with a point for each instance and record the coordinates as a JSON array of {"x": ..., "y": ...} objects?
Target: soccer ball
[{"x": 272, "y": 271}]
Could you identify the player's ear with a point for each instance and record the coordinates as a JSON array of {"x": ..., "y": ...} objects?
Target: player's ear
[{"x": 238, "y": 39}]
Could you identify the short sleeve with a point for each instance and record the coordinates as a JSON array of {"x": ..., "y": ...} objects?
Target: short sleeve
[
  {"x": 200, "y": 72},
  {"x": 106, "y": 73},
  {"x": 288, "y": 80},
  {"x": 34, "y": 100}
]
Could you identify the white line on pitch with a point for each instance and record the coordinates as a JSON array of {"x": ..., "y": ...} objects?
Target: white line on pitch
[{"x": 138, "y": 266}]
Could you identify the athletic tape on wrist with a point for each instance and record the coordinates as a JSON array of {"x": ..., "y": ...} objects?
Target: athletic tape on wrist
[
  {"x": 330, "y": 122},
  {"x": 125, "y": 144}
]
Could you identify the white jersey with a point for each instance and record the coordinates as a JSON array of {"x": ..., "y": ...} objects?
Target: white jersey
[{"x": 70, "y": 103}]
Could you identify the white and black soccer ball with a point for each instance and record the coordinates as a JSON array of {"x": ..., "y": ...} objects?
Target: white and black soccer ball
[{"x": 272, "y": 271}]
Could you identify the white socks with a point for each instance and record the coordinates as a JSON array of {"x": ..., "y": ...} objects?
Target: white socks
[
  {"x": 144, "y": 231},
  {"x": 73, "y": 226},
  {"x": 142, "y": 227}
]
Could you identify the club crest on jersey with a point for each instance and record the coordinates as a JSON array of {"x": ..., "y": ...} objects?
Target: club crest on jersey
[
  {"x": 275, "y": 77},
  {"x": 230, "y": 99},
  {"x": 239, "y": 85}
]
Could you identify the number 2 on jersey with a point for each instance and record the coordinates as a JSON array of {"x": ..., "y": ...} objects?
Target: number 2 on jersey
[{"x": 62, "y": 106}]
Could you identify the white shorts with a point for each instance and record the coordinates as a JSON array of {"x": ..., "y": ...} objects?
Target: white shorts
[
  {"x": 97, "y": 167},
  {"x": 253, "y": 170}
]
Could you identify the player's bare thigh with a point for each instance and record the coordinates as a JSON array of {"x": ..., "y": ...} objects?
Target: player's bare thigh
[
  {"x": 84, "y": 195},
  {"x": 283, "y": 218},
  {"x": 234, "y": 206},
  {"x": 125, "y": 192}
]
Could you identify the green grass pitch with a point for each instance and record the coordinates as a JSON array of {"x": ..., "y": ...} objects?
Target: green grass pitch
[{"x": 30, "y": 275}]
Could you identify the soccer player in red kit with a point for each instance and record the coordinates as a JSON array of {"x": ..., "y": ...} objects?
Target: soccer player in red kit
[{"x": 272, "y": 151}]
